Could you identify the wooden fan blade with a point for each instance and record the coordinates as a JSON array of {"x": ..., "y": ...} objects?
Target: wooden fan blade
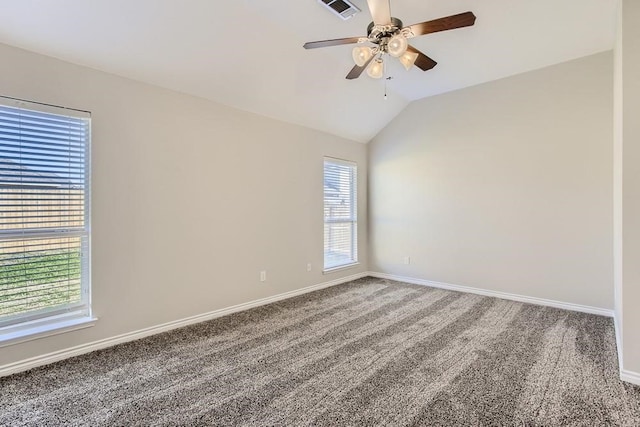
[
  {"x": 380, "y": 11},
  {"x": 460, "y": 20},
  {"x": 334, "y": 42},
  {"x": 357, "y": 70},
  {"x": 422, "y": 61}
]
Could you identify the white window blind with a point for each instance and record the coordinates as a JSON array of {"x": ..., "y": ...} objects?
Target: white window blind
[
  {"x": 44, "y": 212},
  {"x": 340, "y": 213}
]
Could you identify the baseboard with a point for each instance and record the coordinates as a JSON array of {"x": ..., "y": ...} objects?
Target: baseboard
[
  {"x": 625, "y": 375},
  {"x": 618, "y": 343},
  {"x": 630, "y": 377},
  {"x": 56, "y": 356},
  {"x": 497, "y": 294}
]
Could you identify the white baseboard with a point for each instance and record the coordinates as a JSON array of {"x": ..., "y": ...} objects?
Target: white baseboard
[
  {"x": 630, "y": 377},
  {"x": 497, "y": 294},
  {"x": 56, "y": 356},
  {"x": 618, "y": 342},
  {"x": 625, "y": 375}
]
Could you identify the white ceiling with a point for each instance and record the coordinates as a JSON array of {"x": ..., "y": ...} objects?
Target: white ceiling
[{"x": 248, "y": 53}]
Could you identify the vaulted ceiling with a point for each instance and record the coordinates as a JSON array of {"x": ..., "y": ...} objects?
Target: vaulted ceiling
[{"x": 248, "y": 53}]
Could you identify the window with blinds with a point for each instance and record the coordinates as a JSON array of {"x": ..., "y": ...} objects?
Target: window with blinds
[
  {"x": 340, "y": 214},
  {"x": 44, "y": 213}
]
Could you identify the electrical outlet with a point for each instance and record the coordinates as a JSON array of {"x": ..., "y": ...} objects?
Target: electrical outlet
[
  {"x": 407, "y": 260},
  {"x": 263, "y": 276},
  {"x": 309, "y": 267}
]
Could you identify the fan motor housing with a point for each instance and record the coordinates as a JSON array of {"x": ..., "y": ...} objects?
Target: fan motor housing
[{"x": 394, "y": 26}]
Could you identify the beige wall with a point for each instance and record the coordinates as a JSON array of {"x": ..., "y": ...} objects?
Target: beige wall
[
  {"x": 627, "y": 152},
  {"x": 191, "y": 199},
  {"x": 506, "y": 186}
]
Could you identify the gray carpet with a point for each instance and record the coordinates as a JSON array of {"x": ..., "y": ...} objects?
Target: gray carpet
[{"x": 370, "y": 352}]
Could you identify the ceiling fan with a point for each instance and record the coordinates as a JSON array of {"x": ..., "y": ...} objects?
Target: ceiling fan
[{"x": 388, "y": 36}]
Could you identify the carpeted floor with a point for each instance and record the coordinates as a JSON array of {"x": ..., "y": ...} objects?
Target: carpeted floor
[{"x": 370, "y": 352}]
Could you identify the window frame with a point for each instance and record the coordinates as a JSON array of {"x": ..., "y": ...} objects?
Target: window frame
[
  {"x": 20, "y": 327},
  {"x": 352, "y": 222}
]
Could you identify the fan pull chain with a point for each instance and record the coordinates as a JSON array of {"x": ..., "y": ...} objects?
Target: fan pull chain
[{"x": 386, "y": 79}]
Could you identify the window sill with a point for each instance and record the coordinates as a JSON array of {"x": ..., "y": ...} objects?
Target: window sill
[
  {"x": 19, "y": 334},
  {"x": 340, "y": 267}
]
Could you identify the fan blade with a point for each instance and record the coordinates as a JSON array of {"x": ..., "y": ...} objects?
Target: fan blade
[
  {"x": 465, "y": 19},
  {"x": 357, "y": 70},
  {"x": 422, "y": 61},
  {"x": 380, "y": 11},
  {"x": 334, "y": 42}
]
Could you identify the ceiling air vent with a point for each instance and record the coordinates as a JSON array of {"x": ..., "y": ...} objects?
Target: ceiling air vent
[{"x": 343, "y": 8}]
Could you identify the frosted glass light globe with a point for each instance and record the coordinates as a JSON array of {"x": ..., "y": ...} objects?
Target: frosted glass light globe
[
  {"x": 408, "y": 59},
  {"x": 376, "y": 69},
  {"x": 361, "y": 54},
  {"x": 397, "y": 45}
]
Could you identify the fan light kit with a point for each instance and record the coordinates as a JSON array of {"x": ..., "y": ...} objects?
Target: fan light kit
[{"x": 386, "y": 35}]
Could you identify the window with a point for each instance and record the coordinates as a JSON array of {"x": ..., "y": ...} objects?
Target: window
[
  {"x": 44, "y": 218},
  {"x": 340, "y": 214}
]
